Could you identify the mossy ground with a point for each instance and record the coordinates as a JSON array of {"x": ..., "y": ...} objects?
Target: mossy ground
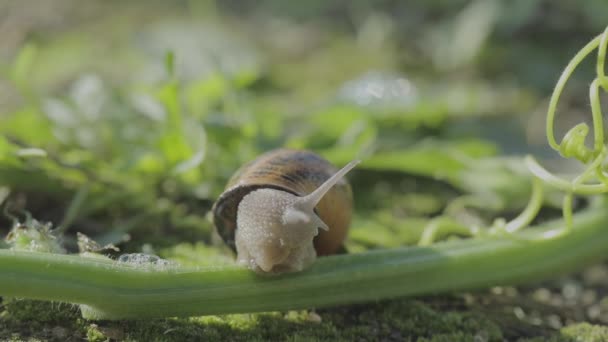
[{"x": 394, "y": 320}]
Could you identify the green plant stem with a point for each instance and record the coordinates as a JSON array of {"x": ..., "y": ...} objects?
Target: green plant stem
[
  {"x": 114, "y": 291},
  {"x": 596, "y": 113},
  {"x": 531, "y": 210},
  {"x": 601, "y": 58},
  {"x": 443, "y": 225},
  {"x": 561, "y": 184},
  {"x": 559, "y": 87}
]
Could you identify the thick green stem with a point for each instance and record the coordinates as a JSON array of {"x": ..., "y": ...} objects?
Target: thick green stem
[{"x": 112, "y": 291}]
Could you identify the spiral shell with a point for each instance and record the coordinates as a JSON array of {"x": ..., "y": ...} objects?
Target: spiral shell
[{"x": 295, "y": 171}]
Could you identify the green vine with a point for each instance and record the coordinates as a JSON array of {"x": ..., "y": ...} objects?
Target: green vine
[
  {"x": 573, "y": 142},
  {"x": 571, "y": 146}
]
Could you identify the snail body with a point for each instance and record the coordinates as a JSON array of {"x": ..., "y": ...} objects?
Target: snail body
[{"x": 282, "y": 210}]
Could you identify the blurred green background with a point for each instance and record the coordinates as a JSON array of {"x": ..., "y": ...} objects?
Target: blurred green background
[
  {"x": 117, "y": 113},
  {"x": 123, "y": 120}
]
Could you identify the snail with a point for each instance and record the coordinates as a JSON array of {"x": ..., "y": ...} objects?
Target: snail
[{"x": 272, "y": 210}]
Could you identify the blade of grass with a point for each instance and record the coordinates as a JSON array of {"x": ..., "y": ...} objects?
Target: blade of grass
[{"x": 74, "y": 209}]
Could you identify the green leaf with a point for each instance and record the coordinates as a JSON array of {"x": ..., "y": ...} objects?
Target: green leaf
[
  {"x": 436, "y": 159},
  {"x": 23, "y": 65},
  {"x": 170, "y": 64}
]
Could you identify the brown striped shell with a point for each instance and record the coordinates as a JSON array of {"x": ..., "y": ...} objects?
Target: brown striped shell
[{"x": 297, "y": 172}]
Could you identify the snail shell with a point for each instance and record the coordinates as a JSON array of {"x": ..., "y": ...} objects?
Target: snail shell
[{"x": 294, "y": 172}]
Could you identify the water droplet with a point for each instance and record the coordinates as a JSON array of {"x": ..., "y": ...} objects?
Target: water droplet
[{"x": 146, "y": 261}]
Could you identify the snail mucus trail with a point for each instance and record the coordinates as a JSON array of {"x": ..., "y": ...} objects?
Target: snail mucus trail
[{"x": 271, "y": 225}]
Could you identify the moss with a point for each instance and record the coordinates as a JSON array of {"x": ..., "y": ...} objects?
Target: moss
[
  {"x": 95, "y": 335},
  {"x": 38, "y": 311},
  {"x": 40, "y": 321},
  {"x": 389, "y": 320},
  {"x": 432, "y": 320},
  {"x": 583, "y": 332},
  {"x": 580, "y": 332}
]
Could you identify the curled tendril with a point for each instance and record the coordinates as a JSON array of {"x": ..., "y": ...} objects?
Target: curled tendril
[
  {"x": 571, "y": 146},
  {"x": 573, "y": 143}
]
